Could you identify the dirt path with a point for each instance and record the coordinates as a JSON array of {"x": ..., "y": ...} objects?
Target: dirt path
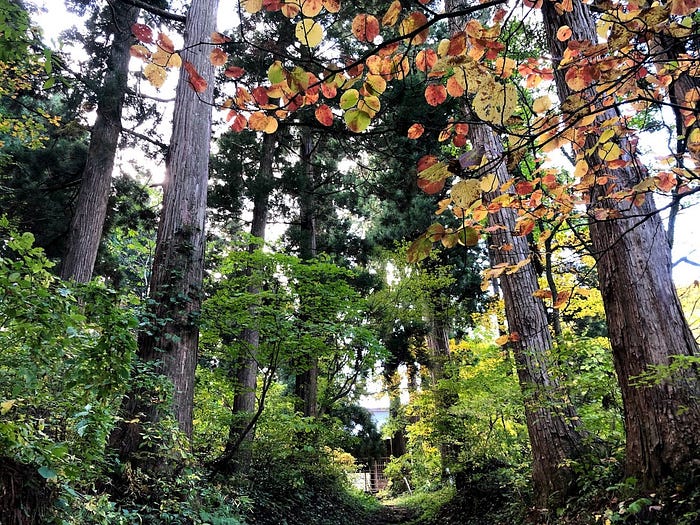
[{"x": 394, "y": 515}]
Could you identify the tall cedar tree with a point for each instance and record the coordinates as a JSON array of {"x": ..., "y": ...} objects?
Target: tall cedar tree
[
  {"x": 91, "y": 207},
  {"x": 178, "y": 266},
  {"x": 647, "y": 329}
]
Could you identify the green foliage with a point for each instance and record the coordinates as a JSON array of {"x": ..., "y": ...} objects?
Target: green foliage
[{"x": 66, "y": 358}]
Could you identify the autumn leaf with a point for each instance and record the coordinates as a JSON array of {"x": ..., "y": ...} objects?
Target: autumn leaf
[
  {"x": 165, "y": 43},
  {"x": 156, "y": 75},
  {"x": 357, "y": 120},
  {"x": 435, "y": 94},
  {"x": 564, "y": 33},
  {"x": 239, "y": 122},
  {"x": 275, "y": 73},
  {"x": 458, "y": 44},
  {"x": 290, "y": 8},
  {"x": 542, "y": 104},
  {"x": 465, "y": 193},
  {"x": 562, "y": 299},
  {"x": 252, "y": 6},
  {"x": 218, "y": 38},
  {"x": 412, "y": 23},
  {"x": 139, "y": 51},
  {"x": 431, "y": 187},
  {"x": 324, "y": 115},
  {"x": 234, "y": 72},
  {"x": 218, "y": 57},
  {"x": 426, "y": 59},
  {"x": 425, "y": 162},
  {"x": 349, "y": 99},
  {"x": 311, "y": 8},
  {"x": 468, "y": 236},
  {"x": 392, "y": 14},
  {"x": 309, "y": 32},
  {"x": 365, "y": 27},
  {"x": 419, "y": 249},
  {"x": 143, "y": 33},
  {"x": 495, "y": 102},
  {"x": 332, "y": 6},
  {"x": 196, "y": 81}
]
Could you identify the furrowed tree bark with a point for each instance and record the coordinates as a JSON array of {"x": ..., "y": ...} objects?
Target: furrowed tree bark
[
  {"x": 306, "y": 382},
  {"x": 647, "y": 329},
  {"x": 553, "y": 425},
  {"x": 176, "y": 282},
  {"x": 91, "y": 207}
]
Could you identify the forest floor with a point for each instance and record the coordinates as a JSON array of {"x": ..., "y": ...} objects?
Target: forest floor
[{"x": 394, "y": 515}]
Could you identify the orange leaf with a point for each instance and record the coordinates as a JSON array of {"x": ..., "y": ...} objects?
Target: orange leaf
[
  {"x": 139, "y": 51},
  {"x": 392, "y": 14},
  {"x": 435, "y": 94},
  {"x": 454, "y": 87},
  {"x": 414, "y": 22},
  {"x": 239, "y": 122},
  {"x": 426, "y": 161},
  {"x": 311, "y": 7},
  {"x": 198, "y": 83},
  {"x": 257, "y": 121},
  {"x": 564, "y": 33},
  {"x": 524, "y": 227},
  {"x": 218, "y": 38},
  {"x": 290, "y": 9},
  {"x": 458, "y": 44},
  {"x": 415, "y": 131},
  {"x": 426, "y": 59},
  {"x": 143, "y": 33},
  {"x": 431, "y": 187},
  {"x": 332, "y": 6},
  {"x": 324, "y": 115},
  {"x": 524, "y": 187},
  {"x": 461, "y": 128},
  {"x": 218, "y": 57},
  {"x": 365, "y": 27}
]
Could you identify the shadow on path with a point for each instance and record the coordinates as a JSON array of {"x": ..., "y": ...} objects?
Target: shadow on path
[{"x": 394, "y": 515}]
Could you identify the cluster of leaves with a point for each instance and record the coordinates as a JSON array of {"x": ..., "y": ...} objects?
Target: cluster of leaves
[{"x": 66, "y": 361}]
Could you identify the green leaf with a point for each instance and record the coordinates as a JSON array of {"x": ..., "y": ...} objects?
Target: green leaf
[{"x": 47, "y": 473}]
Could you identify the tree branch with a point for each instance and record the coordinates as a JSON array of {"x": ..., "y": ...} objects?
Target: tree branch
[{"x": 156, "y": 10}]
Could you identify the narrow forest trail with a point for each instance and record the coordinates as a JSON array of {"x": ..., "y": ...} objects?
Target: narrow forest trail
[{"x": 393, "y": 515}]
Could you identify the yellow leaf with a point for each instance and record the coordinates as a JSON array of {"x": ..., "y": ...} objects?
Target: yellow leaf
[
  {"x": 252, "y": 6},
  {"x": 156, "y": 75},
  {"x": 495, "y": 102},
  {"x": 581, "y": 169},
  {"x": 609, "y": 151},
  {"x": 6, "y": 406},
  {"x": 542, "y": 104},
  {"x": 489, "y": 183},
  {"x": 465, "y": 192},
  {"x": 309, "y": 32}
]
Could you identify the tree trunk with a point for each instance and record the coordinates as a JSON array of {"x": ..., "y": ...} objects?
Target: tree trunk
[
  {"x": 552, "y": 423},
  {"x": 648, "y": 331},
  {"x": 306, "y": 382},
  {"x": 176, "y": 281},
  {"x": 240, "y": 434},
  {"x": 91, "y": 208}
]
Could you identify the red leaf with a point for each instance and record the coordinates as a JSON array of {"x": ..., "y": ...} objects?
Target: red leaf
[
  {"x": 218, "y": 57},
  {"x": 143, "y": 33},
  {"x": 431, "y": 187},
  {"x": 324, "y": 115},
  {"x": 459, "y": 141},
  {"x": 198, "y": 83},
  {"x": 435, "y": 94},
  {"x": 524, "y": 187},
  {"x": 165, "y": 43},
  {"x": 426, "y": 161},
  {"x": 415, "y": 131},
  {"x": 234, "y": 72},
  {"x": 365, "y": 27},
  {"x": 458, "y": 44},
  {"x": 260, "y": 96},
  {"x": 239, "y": 121}
]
